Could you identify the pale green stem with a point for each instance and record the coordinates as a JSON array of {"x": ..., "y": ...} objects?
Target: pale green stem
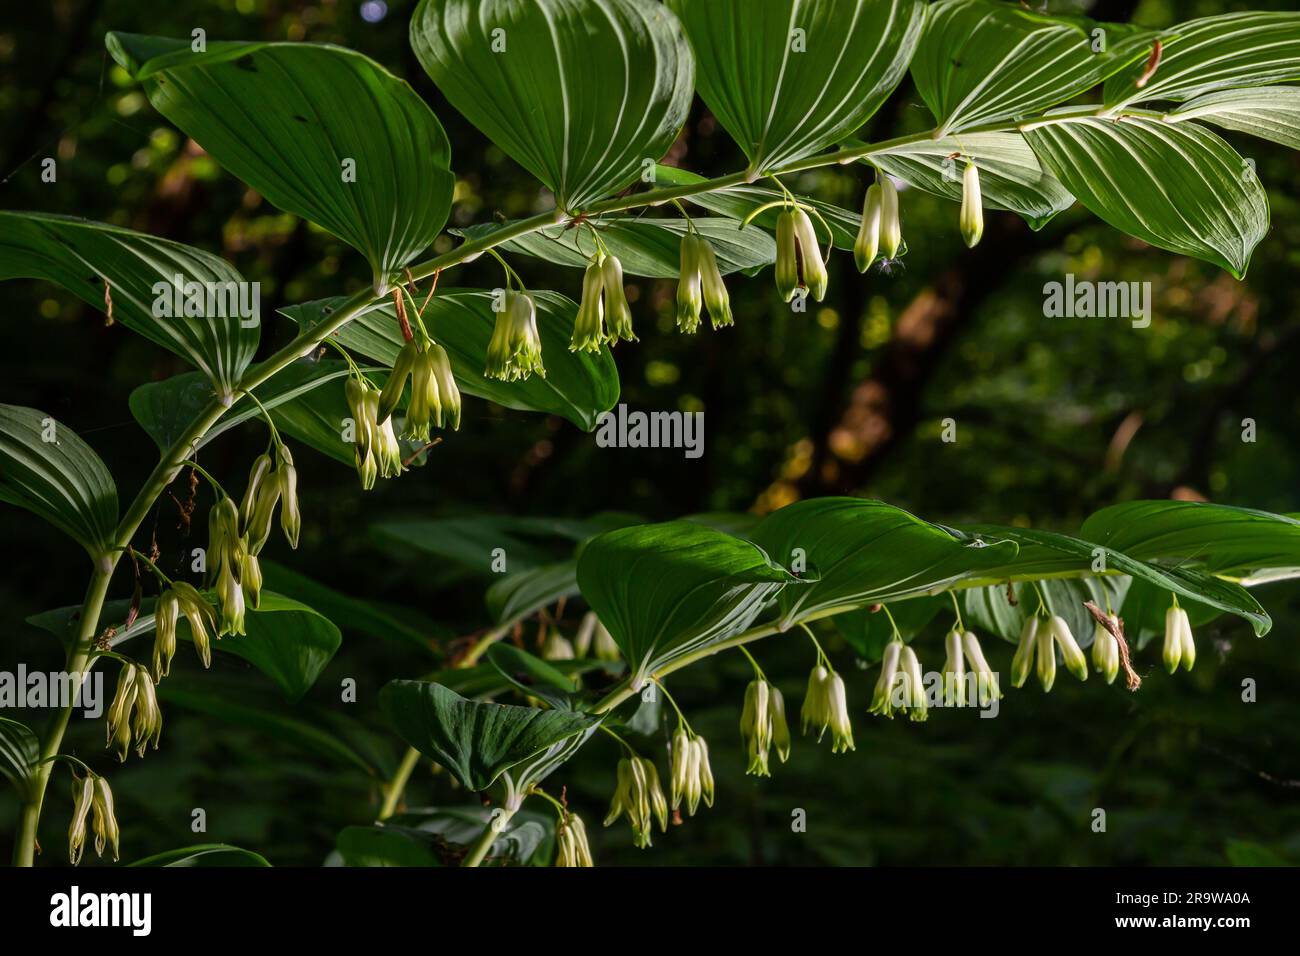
[
  {"x": 397, "y": 786},
  {"x": 479, "y": 850}
]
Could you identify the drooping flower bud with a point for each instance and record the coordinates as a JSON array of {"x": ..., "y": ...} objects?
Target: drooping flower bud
[
  {"x": 557, "y": 647},
  {"x": 287, "y": 480},
  {"x": 618, "y": 315},
  {"x": 1105, "y": 651},
  {"x": 104, "y": 822},
  {"x": 867, "y": 245},
  {"x": 571, "y": 842},
  {"x": 954, "y": 671},
  {"x": 1075, "y": 661},
  {"x": 83, "y": 796},
  {"x": 201, "y": 616},
  {"x": 166, "y": 613},
  {"x": 882, "y": 697},
  {"x": 716, "y": 299},
  {"x": 705, "y": 771},
  {"x": 1179, "y": 648},
  {"x": 363, "y": 432},
  {"x": 780, "y": 729},
  {"x": 756, "y": 726},
  {"x": 638, "y": 795},
  {"x": 448, "y": 411},
  {"x": 891, "y": 227},
  {"x": 787, "y": 256},
  {"x": 972, "y": 206},
  {"x": 391, "y": 396},
  {"x": 230, "y": 600},
  {"x": 914, "y": 684},
  {"x": 986, "y": 679},
  {"x": 257, "y": 476},
  {"x": 223, "y": 535},
  {"x": 147, "y": 726},
  {"x": 250, "y": 579},
  {"x": 515, "y": 350},
  {"x": 826, "y": 705},
  {"x": 118, "y": 718},
  {"x": 388, "y": 453},
  {"x": 1023, "y": 659},
  {"x": 1045, "y": 649},
  {"x": 258, "y": 527},
  {"x": 589, "y": 326},
  {"x": 810, "y": 256},
  {"x": 689, "y": 297}
]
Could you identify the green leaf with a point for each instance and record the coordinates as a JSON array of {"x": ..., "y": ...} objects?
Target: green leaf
[
  {"x": 578, "y": 385},
  {"x": 1044, "y": 553},
  {"x": 580, "y": 94},
  {"x": 533, "y": 676},
  {"x": 518, "y": 595},
  {"x": 477, "y": 741},
  {"x": 165, "y": 409},
  {"x": 441, "y": 837},
  {"x": 644, "y": 247},
  {"x": 737, "y": 202},
  {"x": 1269, "y": 112},
  {"x": 1246, "y": 853},
  {"x": 288, "y": 118},
  {"x": 1011, "y": 177},
  {"x": 786, "y": 78},
  {"x": 665, "y": 590},
  {"x": 865, "y": 552},
  {"x": 19, "y": 753},
  {"x": 47, "y": 470},
  {"x": 81, "y": 256},
  {"x": 287, "y": 641},
  {"x": 984, "y": 61},
  {"x": 1255, "y": 546},
  {"x": 1176, "y": 186},
  {"x": 1215, "y": 53},
  {"x": 205, "y": 855},
  {"x": 989, "y": 610}
]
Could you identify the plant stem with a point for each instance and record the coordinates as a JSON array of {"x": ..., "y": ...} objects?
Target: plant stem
[
  {"x": 78, "y": 665},
  {"x": 397, "y": 786},
  {"x": 496, "y": 823}
]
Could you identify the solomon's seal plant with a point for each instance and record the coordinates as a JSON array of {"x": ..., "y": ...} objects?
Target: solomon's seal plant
[{"x": 1036, "y": 112}]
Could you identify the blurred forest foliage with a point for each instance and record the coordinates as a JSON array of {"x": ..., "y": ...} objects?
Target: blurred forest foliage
[{"x": 1055, "y": 418}]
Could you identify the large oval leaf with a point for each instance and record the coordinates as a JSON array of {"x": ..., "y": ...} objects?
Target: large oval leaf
[
  {"x": 477, "y": 741},
  {"x": 863, "y": 552},
  {"x": 578, "y": 385},
  {"x": 1215, "y": 53},
  {"x": 1047, "y": 553},
  {"x": 205, "y": 855},
  {"x": 665, "y": 590},
  {"x": 1269, "y": 112},
  {"x": 46, "y": 469},
  {"x": 319, "y": 130},
  {"x": 582, "y": 93},
  {"x": 982, "y": 61},
  {"x": 1176, "y": 186},
  {"x": 787, "y": 78},
  {"x": 441, "y": 837},
  {"x": 165, "y": 409},
  {"x": 82, "y": 256},
  {"x": 645, "y": 247},
  {"x": 1241, "y": 542}
]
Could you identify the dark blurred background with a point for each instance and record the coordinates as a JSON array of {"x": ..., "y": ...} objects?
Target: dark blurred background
[{"x": 1056, "y": 418}]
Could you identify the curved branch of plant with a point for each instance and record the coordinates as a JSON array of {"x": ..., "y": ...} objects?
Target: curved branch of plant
[{"x": 173, "y": 460}]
